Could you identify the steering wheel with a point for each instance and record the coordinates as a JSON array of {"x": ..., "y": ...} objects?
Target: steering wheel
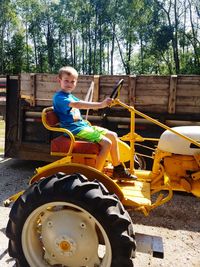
[
  {"x": 117, "y": 89},
  {"x": 113, "y": 95}
]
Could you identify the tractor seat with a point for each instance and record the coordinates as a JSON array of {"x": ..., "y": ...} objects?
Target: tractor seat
[{"x": 61, "y": 144}]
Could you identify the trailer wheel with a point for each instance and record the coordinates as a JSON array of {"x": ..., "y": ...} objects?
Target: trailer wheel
[
  {"x": 66, "y": 220},
  {"x": 140, "y": 162}
]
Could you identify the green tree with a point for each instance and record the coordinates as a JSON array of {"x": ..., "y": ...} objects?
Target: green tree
[
  {"x": 8, "y": 21},
  {"x": 144, "y": 36},
  {"x": 16, "y": 53}
]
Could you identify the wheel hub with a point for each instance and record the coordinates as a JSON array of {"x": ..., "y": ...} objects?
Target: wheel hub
[
  {"x": 66, "y": 236},
  {"x": 65, "y": 245}
]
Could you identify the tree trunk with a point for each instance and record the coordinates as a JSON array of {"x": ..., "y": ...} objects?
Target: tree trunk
[
  {"x": 2, "y": 49},
  {"x": 121, "y": 55},
  {"x": 71, "y": 48},
  {"x": 112, "y": 49},
  {"x": 35, "y": 51},
  {"x": 74, "y": 50},
  {"x": 95, "y": 44},
  {"x": 194, "y": 39},
  {"x": 50, "y": 47},
  {"x": 27, "y": 53},
  {"x": 90, "y": 50},
  {"x": 66, "y": 49},
  {"x": 175, "y": 40},
  {"x": 141, "y": 55},
  {"x": 175, "y": 35},
  {"x": 100, "y": 46},
  {"x": 108, "y": 57},
  {"x": 83, "y": 50}
]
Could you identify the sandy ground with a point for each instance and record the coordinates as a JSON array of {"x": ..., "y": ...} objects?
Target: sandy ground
[{"x": 177, "y": 222}]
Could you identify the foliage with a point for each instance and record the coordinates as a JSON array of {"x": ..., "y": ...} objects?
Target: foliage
[{"x": 100, "y": 36}]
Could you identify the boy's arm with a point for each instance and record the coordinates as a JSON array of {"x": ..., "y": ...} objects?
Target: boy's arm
[{"x": 91, "y": 105}]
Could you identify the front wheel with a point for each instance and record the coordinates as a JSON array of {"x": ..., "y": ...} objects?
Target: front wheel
[{"x": 69, "y": 221}]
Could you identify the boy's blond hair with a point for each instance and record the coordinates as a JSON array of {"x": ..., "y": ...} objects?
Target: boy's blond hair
[{"x": 67, "y": 70}]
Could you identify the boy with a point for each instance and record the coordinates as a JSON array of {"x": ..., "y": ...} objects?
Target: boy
[{"x": 67, "y": 107}]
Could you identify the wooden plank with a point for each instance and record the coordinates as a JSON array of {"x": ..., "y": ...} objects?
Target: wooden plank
[
  {"x": 150, "y": 100},
  {"x": 150, "y": 87},
  {"x": 79, "y": 95},
  {"x": 132, "y": 89},
  {"x": 190, "y": 79},
  {"x": 186, "y": 86},
  {"x": 184, "y": 91},
  {"x": 43, "y": 86},
  {"x": 188, "y": 100},
  {"x": 111, "y": 78},
  {"x": 26, "y": 76},
  {"x": 33, "y": 90},
  {"x": 25, "y": 84},
  {"x": 86, "y": 78},
  {"x": 54, "y": 86},
  {"x": 45, "y": 95},
  {"x": 44, "y": 102},
  {"x": 52, "y": 78},
  {"x": 172, "y": 95},
  {"x": 48, "y": 101},
  {"x": 108, "y": 90},
  {"x": 152, "y": 108},
  {"x": 96, "y": 88},
  {"x": 111, "y": 81},
  {"x": 83, "y": 89},
  {"x": 187, "y": 110},
  {"x": 154, "y": 92},
  {"x": 26, "y": 91},
  {"x": 153, "y": 79}
]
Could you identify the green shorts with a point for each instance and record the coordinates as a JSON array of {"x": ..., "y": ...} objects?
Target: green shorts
[{"x": 92, "y": 134}]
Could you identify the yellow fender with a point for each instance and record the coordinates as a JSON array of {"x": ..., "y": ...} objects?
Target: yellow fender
[{"x": 124, "y": 151}]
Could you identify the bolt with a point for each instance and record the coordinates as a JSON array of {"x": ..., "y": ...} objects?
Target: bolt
[
  {"x": 83, "y": 225},
  {"x": 50, "y": 224}
]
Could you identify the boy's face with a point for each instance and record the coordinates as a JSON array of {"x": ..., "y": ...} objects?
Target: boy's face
[{"x": 67, "y": 82}]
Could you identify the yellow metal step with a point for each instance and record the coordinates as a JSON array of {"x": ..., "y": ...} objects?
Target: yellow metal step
[{"x": 137, "y": 193}]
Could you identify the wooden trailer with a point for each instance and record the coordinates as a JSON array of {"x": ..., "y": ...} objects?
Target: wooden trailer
[{"x": 173, "y": 100}]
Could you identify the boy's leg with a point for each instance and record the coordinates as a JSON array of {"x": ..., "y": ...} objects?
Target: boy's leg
[
  {"x": 109, "y": 143},
  {"x": 114, "y": 149},
  {"x": 98, "y": 135},
  {"x": 118, "y": 171},
  {"x": 106, "y": 145}
]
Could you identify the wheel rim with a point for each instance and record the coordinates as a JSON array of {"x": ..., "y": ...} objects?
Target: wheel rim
[
  {"x": 63, "y": 234},
  {"x": 141, "y": 162}
]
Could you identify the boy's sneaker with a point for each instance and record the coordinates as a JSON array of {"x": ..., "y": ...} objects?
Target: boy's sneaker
[{"x": 120, "y": 173}]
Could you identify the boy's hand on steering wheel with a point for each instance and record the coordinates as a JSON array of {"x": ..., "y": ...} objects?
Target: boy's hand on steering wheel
[{"x": 106, "y": 102}]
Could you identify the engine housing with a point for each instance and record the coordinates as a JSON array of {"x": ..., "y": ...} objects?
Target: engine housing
[{"x": 170, "y": 142}]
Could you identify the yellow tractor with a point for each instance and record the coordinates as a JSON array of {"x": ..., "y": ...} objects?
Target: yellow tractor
[{"x": 74, "y": 215}]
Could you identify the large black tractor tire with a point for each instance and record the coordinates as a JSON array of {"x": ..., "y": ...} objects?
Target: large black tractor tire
[{"x": 66, "y": 220}]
